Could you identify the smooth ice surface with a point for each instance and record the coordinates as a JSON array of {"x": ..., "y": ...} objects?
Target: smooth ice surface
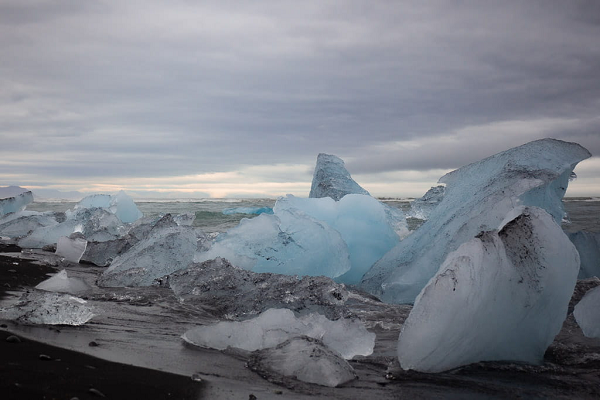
[
  {"x": 163, "y": 251},
  {"x": 421, "y": 208},
  {"x": 248, "y": 210},
  {"x": 363, "y": 222},
  {"x": 305, "y": 359},
  {"x": 212, "y": 283},
  {"x": 14, "y": 199},
  {"x": 588, "y": 246},
  {"x": 120, "y": 204},
  {"x": 289, "y": 242},
  {"x": 274, "y": 326},
  {"x": 477, "y": 198},
  {"x": 501, "y": 296},
  {"x": 587, "y": 313},
  {"x": 61, "y": 283},
  {"x": 71, "y": 248},
  {"x": 40, "y": 307},
  {"x": 331, "y": 179}
]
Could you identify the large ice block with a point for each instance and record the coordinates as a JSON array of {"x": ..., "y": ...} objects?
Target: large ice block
[
  {"x": 120, "y": 205},
  {"x": 274, "y": 326},
  {"x": 588, "y": 246},
  {"x": 587, "y": 313},
  {"x": 40, "y": 307},
  {"x": 501, "y": 296},
  {"x": 477, "y": 198},
  {"x": 14, "y": 199},
  {"x": 22, "y": 223},
  {"x": 332, "y": 179},
  {"x": 305, "y": 359}
]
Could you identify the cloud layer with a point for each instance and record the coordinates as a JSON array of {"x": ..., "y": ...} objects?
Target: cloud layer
[{"x": 149, "y": 95}]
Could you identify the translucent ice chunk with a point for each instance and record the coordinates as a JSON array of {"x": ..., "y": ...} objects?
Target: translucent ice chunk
[
  {"x": 421, "y": 208},
  {"x": 40, "y": 307},
  {"x": 248, "y": 210},
  {"x": 14, "y": 199},
  {"x": 587, "y": 313},
  {"x": 212, "y": 283},
  {"x": 22, "y": 223},
  {"x": 331, "y": 179},
  {"x": 61, "y": 283},
  {"x": 501, "y": 296},
  {"x": 274, "y": 326},
  {"x": 588, "y": 246},
  {"x": 303, "y": 358},
  {"x": 71, "y": 248},
  {"x": 477, "y": 198},
  {"x": 120, "y": 204}
]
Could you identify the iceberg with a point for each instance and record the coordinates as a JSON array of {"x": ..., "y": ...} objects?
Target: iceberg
[
  {"x": 14, "y": 199},
  {"x": 331, "y": 179},
  {"x": 274, "y": 326},
  {"x": 289, "y": 242},
  {"x": 586, "y": 313},
  {"x": 120, "y": 205},
  {"x": 501, "y": 296},
  {"x": 166, "y": 249},
  {"x": 211, "y": 284},
  {"x": 588, "y": 246},
  {"x": 248, "y": 210},
  {"x": 305, "y": 359},
  {"x": 61, "y": 283},
  {"x": 477, "y": 198},
  {"x": 71, "y": 248},
  {"x": 39, "y": 307},
  {"x": 421, "y": 208}
]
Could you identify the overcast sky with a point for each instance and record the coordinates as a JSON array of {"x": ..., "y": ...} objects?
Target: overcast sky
[{"x": 237, "y": 98}]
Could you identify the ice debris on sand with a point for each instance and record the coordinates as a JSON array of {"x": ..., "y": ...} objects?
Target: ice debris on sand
[
  {"x": 71, "y": 248},
  {"x": 274, "y": 326},
  {"x": 332, "y": 179},
  {"x": 120, "y": 205},
  {"x": 478, "y": 196},
  {"x": 588, "y": 246},
  {"x": 305, "y": 359},
  {"x": 61, "y": 283},
  {"x": 39, "y": 307},
  {"x": 501, "y": 296},
  {"x": 164, "y": 250},
  {"x": 14, "y": 199},
  {"x": 422, "y": 207},
  {"x": 212, "y": 283},
  {"x": 587, "y": 313}
]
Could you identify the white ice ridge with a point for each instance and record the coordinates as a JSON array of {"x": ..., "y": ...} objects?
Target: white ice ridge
[
  {"x": 14, "y": 199},
  {"x": 39, "y": 307},
  {"x": 331, "y": 179},
  {"x": 501, "y": 296},
  {"x": 587, "y": 313},
  {"x": 477, "y": 198},
  {"x": 61, "y": 283},
  {"x": 274, "y": 326},
  {"x": 120, "y": 204},
  {"x": 588, "y": 246}
]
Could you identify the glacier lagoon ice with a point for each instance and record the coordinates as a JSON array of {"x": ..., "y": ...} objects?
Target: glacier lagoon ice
[
  {"x": 501, "y": 296},
  {"x": 332, "y": 179},
  {"x": 60, "y": 282},
  {"x": 248, "y": 210},
  {"x": 119, "y": 204},
  {"x": 71, "y": 248},
  {"x": 212, "y": 282},
  {"x": 422, "y": 207},
  {"x": 14, "y": 199},
  {"x": 305, "y": 359},
  {"x": 274, "y": 326},
  {"x": 587, "y": 313},
  {"x": 588, "y": 246},
  {"x": 477, "y": 198},
  {"x": 41, "y": 307},
  {"x": 22, "y": 223}
]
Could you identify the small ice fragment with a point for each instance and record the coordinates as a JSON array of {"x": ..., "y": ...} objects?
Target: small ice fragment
[
  {"x": 39, "y": 307},
  {"x": 304, "y": 358},
  {"x": 422, "y": 207},
  {"x": 588, "y": 246},
  {"x": 71, "y": 248},
  {"x": 587, "y": 313},
  {"x": 332, "y": 179},
  {"x": 61, "y": 282}
]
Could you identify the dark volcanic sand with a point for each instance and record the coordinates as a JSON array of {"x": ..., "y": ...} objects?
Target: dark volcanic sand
[{"x": 18, "y": 273}]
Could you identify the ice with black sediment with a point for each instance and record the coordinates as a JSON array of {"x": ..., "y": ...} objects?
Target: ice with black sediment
[
  {"x": 347, "y": 337},
  {"x": 332, "y": 179},
  {"x": 588, "y": 246},
  {"x": 477, "y": 198},
  {"x": 587, "y": 313},
  {"x": 422, "y": 207},
  {"x": 41, "y": 307},
  {"x": 234, "y": 292},
  {"x": 62, "y": 283},
  {"x": 303, "y": 358},
  {"x": 500, "y": 296}
]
